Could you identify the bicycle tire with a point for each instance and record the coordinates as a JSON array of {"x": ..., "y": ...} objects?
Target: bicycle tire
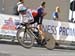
[
  {"x": 21, "y": 42},
  {"x": 50, "y": 41}
]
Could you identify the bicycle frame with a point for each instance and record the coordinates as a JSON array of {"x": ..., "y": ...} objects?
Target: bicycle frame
[
  {"x": 49, "y": 43},
  {"x": 28, "y": 28}
]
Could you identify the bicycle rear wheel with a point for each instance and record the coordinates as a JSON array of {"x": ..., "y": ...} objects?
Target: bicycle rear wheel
[{"x": 26, "y": 39}]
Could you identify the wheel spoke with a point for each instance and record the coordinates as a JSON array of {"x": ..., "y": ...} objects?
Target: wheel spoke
[{"x": 25, "y": 39}]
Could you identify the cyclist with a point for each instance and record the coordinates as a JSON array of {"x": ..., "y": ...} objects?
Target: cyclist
[
  {"x": 24, "y": 11},
  {"x": 38, "y": 18},
  {"x": 16, "y": 6}
]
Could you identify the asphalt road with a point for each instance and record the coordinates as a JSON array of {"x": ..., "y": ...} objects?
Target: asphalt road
[{"x": 14, "y": 49}]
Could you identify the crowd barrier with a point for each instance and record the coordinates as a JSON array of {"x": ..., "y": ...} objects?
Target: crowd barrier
[
  {"x": 8, "y": 24},
  {"x": 60, "y": 30}
]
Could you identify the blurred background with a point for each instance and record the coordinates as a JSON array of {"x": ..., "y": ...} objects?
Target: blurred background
[{"x": 6, "y": 7}]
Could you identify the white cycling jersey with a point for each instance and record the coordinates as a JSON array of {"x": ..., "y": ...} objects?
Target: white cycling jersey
[{"x": 27, "y": 17}]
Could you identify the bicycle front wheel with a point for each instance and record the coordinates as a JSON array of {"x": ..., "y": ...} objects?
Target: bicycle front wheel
[{"x": 26, "y": 39}]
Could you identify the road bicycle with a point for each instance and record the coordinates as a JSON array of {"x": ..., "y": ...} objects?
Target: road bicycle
[{"x": 26, "y": 36}]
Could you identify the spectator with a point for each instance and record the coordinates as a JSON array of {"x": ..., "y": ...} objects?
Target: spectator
[
  {"x": 39, "y": 18},
  {"x": 56, "y": 13},
  {"x": 41, "y": 13},
  {"x": 16, "y": 7}
]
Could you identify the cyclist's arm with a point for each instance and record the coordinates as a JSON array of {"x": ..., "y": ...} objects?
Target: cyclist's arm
[{"x": 29, "y": 12}]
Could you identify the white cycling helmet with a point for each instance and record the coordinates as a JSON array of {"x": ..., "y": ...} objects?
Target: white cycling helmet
[{"x": 22, "y": 8}]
